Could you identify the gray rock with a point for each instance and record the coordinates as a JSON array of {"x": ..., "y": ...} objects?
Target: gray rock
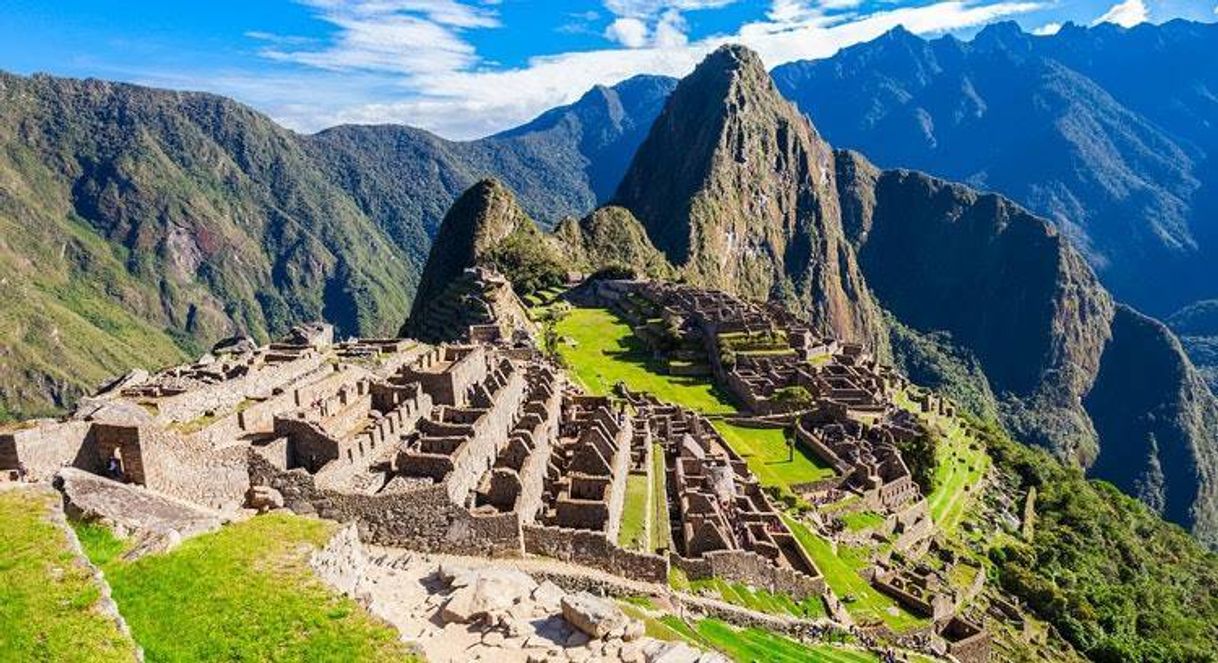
[
  {"x": 591, "y": 614},
  {"x": 549, "y": 595},
  {"x": 482, "y": 592},
  {"x": 671, "y": 652}
]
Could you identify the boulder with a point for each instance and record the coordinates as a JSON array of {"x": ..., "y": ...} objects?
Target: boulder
[
  {"x": 591, "y": 614},
  {"x": 234, "y": 345},
  {"x": 263, "y": 498},
  {"x": 549, "y": 595},
  {"x": 671, "y": 652},
  {"x": 479, "y": 593}
]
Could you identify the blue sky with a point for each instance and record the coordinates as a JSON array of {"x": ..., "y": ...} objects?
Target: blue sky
[{"x": 467, "y": 68}]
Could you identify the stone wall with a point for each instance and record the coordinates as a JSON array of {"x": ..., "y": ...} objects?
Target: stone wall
[
  {"x": 341, "y": 562},
  {"x": 420, "y": 519},
  {"x": 480, "y": 449},
  {"x": 193, "y": 470},
  {"x": 617, "y": 485},
  {"x": 47, "y": 446},
  {"x": 753, "y": 570},
  {"x": 593, "y": 549},
  {"x": 260, "y": 383}
]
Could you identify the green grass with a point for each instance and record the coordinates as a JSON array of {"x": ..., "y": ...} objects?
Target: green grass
[
  {"x": 753, "y": 644},
  {"x": 660, "y": 532},
  {"x": 769, "y": 457},
  {"x": 634, "y": 533},
  {"x": 961, "y": 462},
  {"x": 743, "y": 645},
  {"x": 244, "y": 593},
  {"x": 862, "y": 520},
  {"x": 841, "y": 571},
  {"x": 48, "y": 601},
  {"x": 602, "y": 350}
]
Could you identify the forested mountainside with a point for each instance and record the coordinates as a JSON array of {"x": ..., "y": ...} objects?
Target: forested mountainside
[
  {"x": 1107, "y": 131},
  {"x": 139, "y": 226},
  {"x": 747, "y": 197}
]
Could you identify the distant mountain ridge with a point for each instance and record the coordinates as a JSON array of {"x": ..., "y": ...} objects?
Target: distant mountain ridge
[
  {"x": 139, "y": 226},
  {"x": 1108, "y": 131}
]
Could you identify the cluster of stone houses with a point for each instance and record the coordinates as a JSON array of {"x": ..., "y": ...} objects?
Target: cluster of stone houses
[{"x": 485, "y": 448}]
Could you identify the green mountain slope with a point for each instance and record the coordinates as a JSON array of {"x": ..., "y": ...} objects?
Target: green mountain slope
[{"x": 141, "y": 225}]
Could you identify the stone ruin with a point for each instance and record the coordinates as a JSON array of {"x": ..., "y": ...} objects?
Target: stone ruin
[
  {"x": 762, "y": 354},
  {"x": 484, "y": 447},
  {"x": 722, "y": 524}
]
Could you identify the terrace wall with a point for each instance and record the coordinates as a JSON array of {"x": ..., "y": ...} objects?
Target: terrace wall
[
  {"x": 420, "y": 519},
  {"x": 593, "y": 549},
  {"x": 750, "y": 569}
]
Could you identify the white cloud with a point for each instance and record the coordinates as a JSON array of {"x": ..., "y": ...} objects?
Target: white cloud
[
  {"x": 1125, "y": 14},
  {"x": 629, "y": 32},
  {"x": 414, "y": 65},
  {"x": 1048, "y": 29},
  {"x": 670, "y": 31},
  {"x": 646, "y": 8}
]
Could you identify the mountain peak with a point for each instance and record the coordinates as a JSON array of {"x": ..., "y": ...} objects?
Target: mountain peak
[
  {"x": 727, "y": 129},
  {"x": 480, "y": 219}
]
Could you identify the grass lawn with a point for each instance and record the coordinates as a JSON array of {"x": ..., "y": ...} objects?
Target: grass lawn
[
  {"x": 244, "y": 593},
  {"x": 841, "y": 571},
  {"x": 602, "y": 350},
  {"x": 768, "y": 456},
  {"x": 861, "y": 520},
  {"x": 633, "y": 533},
  {"x": 48, "y": 600},
  {"x": 661, "y": 533}
]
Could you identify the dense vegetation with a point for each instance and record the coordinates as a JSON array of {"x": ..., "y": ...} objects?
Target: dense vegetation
[{"x": 1113, "y": 578}]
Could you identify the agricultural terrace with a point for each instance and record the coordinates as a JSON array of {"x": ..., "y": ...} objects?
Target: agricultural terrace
[
  {"x": 245, "y": 592},
  {"x": 961, "y": 463},
  {"x": 49, "y": 600},
  {"x": 742, "y": 645},
  {"x": 841, "y": 568}
]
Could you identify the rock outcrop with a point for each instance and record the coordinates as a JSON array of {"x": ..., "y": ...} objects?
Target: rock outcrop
[
  {"x": 612, "y": 237},
  {"x": 734, "y": 185}
]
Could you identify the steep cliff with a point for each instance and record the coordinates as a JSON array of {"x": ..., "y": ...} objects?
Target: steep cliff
[{"x": 737, "y": 189}]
